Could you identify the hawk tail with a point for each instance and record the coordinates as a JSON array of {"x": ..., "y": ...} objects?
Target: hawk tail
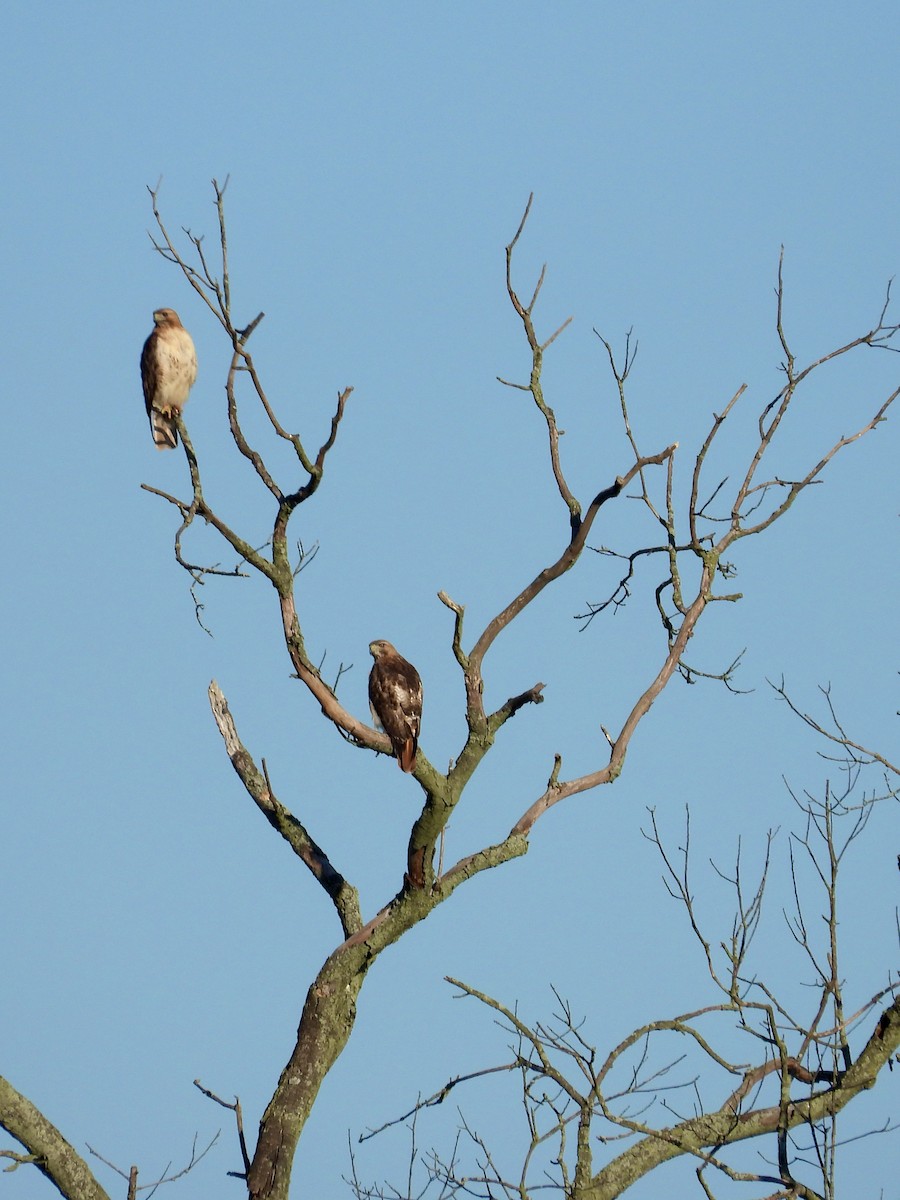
[
  {"x": 406, "y": 754},
  {"x": 165, "y": 435}
]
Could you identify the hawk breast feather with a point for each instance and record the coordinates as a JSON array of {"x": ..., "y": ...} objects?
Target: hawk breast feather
[{"x": 395, "y": 698}]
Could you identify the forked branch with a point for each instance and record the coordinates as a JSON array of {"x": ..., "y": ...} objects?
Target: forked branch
[{"x": 526, "y": 314}]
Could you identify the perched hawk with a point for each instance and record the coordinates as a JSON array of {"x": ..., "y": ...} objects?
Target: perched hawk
[
  {"x": 395, "y": 698},
  {"x": 168, "y": 371}
]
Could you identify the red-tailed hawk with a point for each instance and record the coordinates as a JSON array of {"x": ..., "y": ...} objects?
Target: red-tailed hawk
[
  {"x": 395, "y": 698},
  {"x": 168, "y": 371}
]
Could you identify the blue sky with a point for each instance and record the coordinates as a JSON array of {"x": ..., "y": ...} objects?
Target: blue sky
[{"x": 380, "y": 157}]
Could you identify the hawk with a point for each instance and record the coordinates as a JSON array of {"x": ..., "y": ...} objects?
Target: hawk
[
  {"x": 168, "y": 371},
  {"x": 395, "y": 698}
]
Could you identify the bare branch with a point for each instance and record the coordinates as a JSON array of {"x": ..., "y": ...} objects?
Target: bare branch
[
  {"x": 234, "y": 1107},
  {"x": 537, "y": 354},
  {"x": 565, "y": 561},
  {"x": 837, "y": 735},
  {"x": 343, "y": 895},
  {"x": 150, "y": 1188},
  {"x": 458, "y": 609},
  {"x": 640, "y": 709},
  {"x": 438, "y": 1097}
]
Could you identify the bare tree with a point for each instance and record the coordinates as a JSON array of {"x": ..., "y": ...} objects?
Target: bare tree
[
  {"x": 691, "y": 542},
  {"x": 644, "y": 1102}
]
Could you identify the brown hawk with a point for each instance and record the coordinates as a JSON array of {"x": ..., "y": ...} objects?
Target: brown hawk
[
  {"x": 168, "y": 371},
  {"x": 395, "y": 698}
]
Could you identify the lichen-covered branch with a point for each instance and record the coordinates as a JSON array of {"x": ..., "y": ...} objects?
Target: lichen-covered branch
[
  {"x": 48, "y": 1151},
  {"x": 725, "y": 1127}
]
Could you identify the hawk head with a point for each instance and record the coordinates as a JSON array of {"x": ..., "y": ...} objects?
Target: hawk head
[
  {"x": 166, "y": 316},
  {"x": 380, "y": 647}
]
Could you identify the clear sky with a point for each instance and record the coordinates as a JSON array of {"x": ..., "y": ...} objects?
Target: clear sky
[{"x": 154, "y": 929}]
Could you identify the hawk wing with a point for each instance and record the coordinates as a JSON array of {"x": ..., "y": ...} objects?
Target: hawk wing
[
  {"x": 168, "y": 372},
  {"x": 395, "y": 698}
]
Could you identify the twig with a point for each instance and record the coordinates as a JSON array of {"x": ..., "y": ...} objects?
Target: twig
[{"x": 235, "y": 1107}]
